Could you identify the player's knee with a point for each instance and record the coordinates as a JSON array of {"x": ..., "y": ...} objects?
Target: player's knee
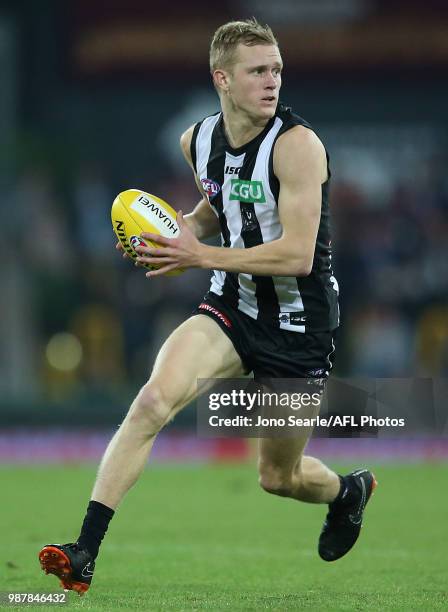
[
  {"x": 274, "y": 480},
  {"x": 150, "y": 410}
]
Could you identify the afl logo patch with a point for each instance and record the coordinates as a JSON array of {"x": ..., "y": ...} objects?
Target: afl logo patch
[
  {"x": 136, "y": 241},
  {"x": 210, "y": 187}
]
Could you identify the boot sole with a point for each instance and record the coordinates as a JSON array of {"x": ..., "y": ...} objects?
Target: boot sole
[{"x": 55, "y": 561}]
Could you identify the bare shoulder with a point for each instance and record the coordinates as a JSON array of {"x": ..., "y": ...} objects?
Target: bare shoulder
[
  {"x": 185, "y": 143},
  {"x": 300, "y": 139},
  {"x": 300, "y": 148}
]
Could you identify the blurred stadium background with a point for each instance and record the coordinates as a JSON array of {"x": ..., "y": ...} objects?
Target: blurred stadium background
[{"x": 94, "y": 98}]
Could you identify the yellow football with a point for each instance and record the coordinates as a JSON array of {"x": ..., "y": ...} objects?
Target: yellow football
[{"x": 135, "y": 211}]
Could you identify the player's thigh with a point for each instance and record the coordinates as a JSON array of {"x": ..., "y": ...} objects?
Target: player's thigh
[{"x": 198, "y": 348}]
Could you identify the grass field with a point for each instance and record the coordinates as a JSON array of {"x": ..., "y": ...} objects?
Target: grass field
[{"x": 207, "y": 538}]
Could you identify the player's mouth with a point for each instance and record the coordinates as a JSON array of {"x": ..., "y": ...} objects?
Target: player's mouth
[{"x": 269, "y": 99}]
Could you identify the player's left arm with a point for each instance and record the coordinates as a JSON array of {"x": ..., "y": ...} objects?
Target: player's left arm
[{"x": 300, "y": 166}]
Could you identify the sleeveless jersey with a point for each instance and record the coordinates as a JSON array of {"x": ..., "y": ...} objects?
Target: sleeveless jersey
[{"x": 243, "y": 191}]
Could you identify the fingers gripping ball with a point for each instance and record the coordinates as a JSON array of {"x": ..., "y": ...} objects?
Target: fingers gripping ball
[{"x": 133, "y": 212}]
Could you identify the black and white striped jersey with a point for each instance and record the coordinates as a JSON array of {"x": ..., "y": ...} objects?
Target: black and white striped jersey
[{"x": 243, "y": 191}]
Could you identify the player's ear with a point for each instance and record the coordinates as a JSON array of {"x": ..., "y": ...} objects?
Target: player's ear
[{"x": 220, "y": 80}]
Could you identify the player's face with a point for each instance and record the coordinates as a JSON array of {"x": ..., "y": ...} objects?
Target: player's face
[{"x": 255, "y": 80}]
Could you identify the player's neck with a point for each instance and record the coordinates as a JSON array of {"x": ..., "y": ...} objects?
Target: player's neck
[{"x": 241, "y": 129}]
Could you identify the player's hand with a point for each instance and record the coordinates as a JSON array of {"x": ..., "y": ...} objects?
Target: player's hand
[
  {"x": 182, "y": 252},
  {"x": 119, "y": 247}
]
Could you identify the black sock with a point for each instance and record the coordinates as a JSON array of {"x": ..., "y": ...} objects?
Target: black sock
[
  {"x": 95, "y": 526},
  {"x": 344, "y": 491},
  {"x": 349, "y": 492}
]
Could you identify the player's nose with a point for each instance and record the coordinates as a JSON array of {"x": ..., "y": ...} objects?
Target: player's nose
[{"x": 271, "y": 82}]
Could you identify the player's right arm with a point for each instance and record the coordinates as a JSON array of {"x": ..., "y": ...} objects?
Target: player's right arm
[{"x": 203, "y": 222}]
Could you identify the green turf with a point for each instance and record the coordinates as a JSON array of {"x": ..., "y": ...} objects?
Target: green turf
[{"x": 206, "y": 537}]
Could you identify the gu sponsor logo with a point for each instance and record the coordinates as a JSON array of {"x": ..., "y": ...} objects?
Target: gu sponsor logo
[
  {"x": 318, "y": 378},
  {"x": 210, "y": 187},
  {"x": 316, "y": 372},
  {"x": 247, "y": 191}
]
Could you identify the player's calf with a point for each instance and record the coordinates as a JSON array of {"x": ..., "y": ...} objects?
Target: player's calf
[
  {"x": 307, "y": 479},
  {"x": 275, "y": 480}
]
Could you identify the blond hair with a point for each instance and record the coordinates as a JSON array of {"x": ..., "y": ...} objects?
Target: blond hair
[{"x": 228, "y": 36}]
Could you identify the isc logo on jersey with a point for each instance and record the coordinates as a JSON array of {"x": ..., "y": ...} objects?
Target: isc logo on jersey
[
  {"x": 247, "y": 191},
  {"x": 135, "y": 211},
  {"x": 232, "y": 170}
]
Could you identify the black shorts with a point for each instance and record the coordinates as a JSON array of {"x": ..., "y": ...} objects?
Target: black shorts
[{"x": 270, "y": 352}]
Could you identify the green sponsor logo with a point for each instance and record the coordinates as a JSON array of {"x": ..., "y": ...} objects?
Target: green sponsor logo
[{"x": 247, "y": 191}]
